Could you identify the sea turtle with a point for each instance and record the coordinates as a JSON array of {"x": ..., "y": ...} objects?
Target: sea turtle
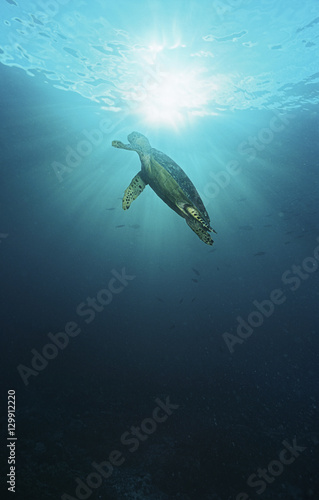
[{"x": 169, "y": 182}]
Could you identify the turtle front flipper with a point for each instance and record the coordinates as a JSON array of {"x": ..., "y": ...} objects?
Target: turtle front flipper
[
  {"x": 133, "y": 191},
  {"x": 120, "y": 145},
  {"x": 200, "y": 231}
]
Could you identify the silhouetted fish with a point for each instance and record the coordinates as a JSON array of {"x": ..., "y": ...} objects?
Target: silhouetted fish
[
  {"x": 195, "y": 271},
  {"x": 159, "y": 299},
  {"x": 246, "y": 228},
  {"x": 120, "y": 225},
  {"x": 195, "y": 281},
  {"x": 181, "y": 300},
  {"x": 289, "y": 232},
  {"x": 267, "y": 225},
  {"x": 110, "y": 208},
  {"x": 135, "y": 226},
  {"x": 172, "y": 326},
  {"x": 242, "y": 199},
  {"x": 259, "y": 253},
  {"x": 193, "y": 299}
]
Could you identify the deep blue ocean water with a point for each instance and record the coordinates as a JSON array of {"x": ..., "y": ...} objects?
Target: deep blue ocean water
[{"x": 144, "y": 363}]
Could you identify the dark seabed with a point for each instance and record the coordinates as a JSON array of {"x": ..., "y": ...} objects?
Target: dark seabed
[{"x": 145, "y": 364}]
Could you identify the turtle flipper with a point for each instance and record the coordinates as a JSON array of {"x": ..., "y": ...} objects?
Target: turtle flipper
[
  {"x": 120, "y": 145},
  {"x": 200, "y": 231},
  {"x": 193, "y": 212},
  {"x": 133, "y": 191}
]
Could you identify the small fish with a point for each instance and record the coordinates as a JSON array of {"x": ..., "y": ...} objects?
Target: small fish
[
  {"x": 195, "y": 271},
  {"x": 259, "y": 253},
  {"x": 110, "y": 208},
  {"x": 289, "y": 232},
  {"x": 195, "y": 281},
  {"x": 286, "y": 242},
  {"x": 211, "y": 251},
  {"x": 159, "y": 299},
  {"x": 135, "y": 226},
  {"x": 120, "y": 225},
  {"x": 193, "y": 299},
  {"x": 242, "y": 199},
  {"x": 245, "y": 228},
  {"x": 267, "y": 225},
  {"x": 181, "y": 300},
  {"x": 172, "y": 326}
]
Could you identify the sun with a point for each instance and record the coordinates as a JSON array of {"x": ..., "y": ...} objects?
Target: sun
[
  {"x": 173, "y": 98},
  {"x": 171, "y": 90}
]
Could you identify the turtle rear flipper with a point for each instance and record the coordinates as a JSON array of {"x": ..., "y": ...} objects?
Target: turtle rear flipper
[
  {"x": 133, "y": 191},
  {"x": 193, "y": 212},
  {"x": 200, "y": 231}
]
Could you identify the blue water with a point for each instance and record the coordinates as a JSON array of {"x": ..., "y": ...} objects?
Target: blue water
[{"x": 109, "y": 316}]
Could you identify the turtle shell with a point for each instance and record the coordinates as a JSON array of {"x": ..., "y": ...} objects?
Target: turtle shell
[{"x": 183, "y": 181}]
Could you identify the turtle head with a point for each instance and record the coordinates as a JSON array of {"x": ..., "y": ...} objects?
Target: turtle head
[{"x": 139, "y": 142}]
